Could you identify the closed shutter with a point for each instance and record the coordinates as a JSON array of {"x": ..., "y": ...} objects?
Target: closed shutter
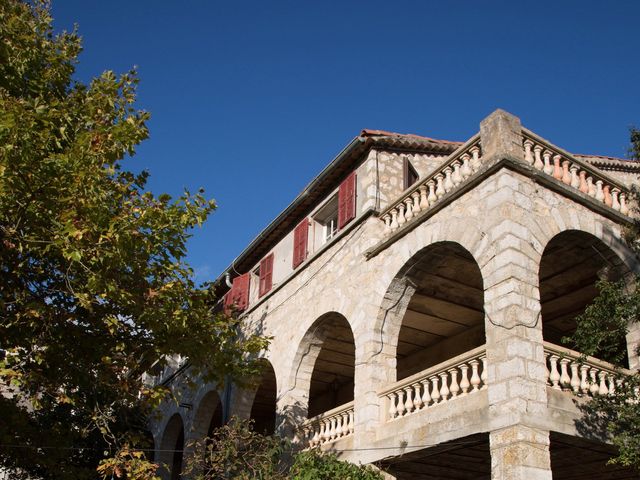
[
  {"x": 347, "y": 200},
  {"x": 238, "y": 296},
  {"x": 300, "y": 236},
  {"x": 266, "y": 274}
]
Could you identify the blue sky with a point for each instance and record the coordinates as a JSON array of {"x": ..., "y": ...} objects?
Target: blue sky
[{"x": 251, "y": 99}]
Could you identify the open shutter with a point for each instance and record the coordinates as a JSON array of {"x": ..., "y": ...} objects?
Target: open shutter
[
  {"x": 347, "y": 200},
  {"x": 266, "y": 274},
  {"x": 239, "y": 294},
  {"x": 300, "y": 236}
]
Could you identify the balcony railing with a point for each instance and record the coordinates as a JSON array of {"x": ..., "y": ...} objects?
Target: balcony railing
[
  {"x": 328, "y": 426},
  {"x": 588, "y": 376},
  {"x": 457, "y": 377},
  {"x": 574, "y": 172},
  {"x": 456, "y": 170}
]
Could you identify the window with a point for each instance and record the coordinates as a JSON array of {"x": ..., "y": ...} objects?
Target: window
[
  {"x": 326, "y": 221},
  {"x": 410, "y": 174},
  {"x": 238, "y": 296}
]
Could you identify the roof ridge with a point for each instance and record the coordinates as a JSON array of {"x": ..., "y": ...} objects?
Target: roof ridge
[{"x": 368, "y": 132}]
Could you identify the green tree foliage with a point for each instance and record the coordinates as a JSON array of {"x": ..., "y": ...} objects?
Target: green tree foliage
[
  {"x": 601, "y": 332},
  {"x": 236, "y": 452},
  {"x": 94, "y": 287}
]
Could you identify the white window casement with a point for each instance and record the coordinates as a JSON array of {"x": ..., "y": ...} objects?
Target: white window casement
[{"x": 326, "y": 221}]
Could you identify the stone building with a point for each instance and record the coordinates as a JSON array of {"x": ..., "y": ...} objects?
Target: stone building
[{"x": 417, "y": 292}]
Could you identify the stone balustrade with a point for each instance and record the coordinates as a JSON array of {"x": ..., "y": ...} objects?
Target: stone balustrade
[
  {"x": 454, "y": 171},
  {"x": 573, "y": 172},
  {"x": 457, "y": 377},
  {"x": 327, "y": 427},
  {"x": 588, "y": 376}
]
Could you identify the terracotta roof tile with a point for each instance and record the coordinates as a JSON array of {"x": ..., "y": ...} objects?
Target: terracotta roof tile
[{"x": 367, "y": 132}]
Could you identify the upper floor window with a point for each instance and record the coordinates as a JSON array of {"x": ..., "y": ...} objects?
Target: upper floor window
[
  {"x": 327, "y": 221},
  {"x": 410, "y": 174}
]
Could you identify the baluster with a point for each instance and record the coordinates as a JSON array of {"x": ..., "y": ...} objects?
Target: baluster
[
  {"x": 475, "y": 158},
  {"x": 591, "y": 186},
  {"x": 324, "y": 434},
  {"x": 408, "y": 210},
  {"x": 612, "y": 384},
  {"x": 565, "y": 380},
  {"x": 575, "y": 180},
  {"x": 331, "y": 422},
  {"x": 454, "y": 388},
  {"x": 593, "y": 388},
  {"x": 537, "y": 163},
  {"x": 464, "y": 381},
  {"x": 528, "y": 157},
  {"x": 432, "y": 192},
  {"x": 554, "y": 375},
  {"x": 607, "y": 195},
  {"x": 401, "y": 218},
  {"x": 557, "y": 169},
  {"x": 624, "y": 209},
  {"x": 475, "y": 377},
  {"x": 400, "y": 406},
  {"x": 315, "y": 440},
  {"x": 392, "y": 405},
  {"x": 351, "y": 421},
  {"x": 599, "y": 192},
  {"x": 426, "y": 397},
  {"x": 424, "y": 201},
  {"x": 417, "y": 399},
  {"x": 575, "y": 378},
  {"x": 440, "y": 191},
  {"x": 466, "y": 166},
  {"x": 485, "y": 374},
  {"x": 416, "y": 202},
  {"x": 548, "y": 168},
  {"x": 394, "y": 219},
  {"x": 387, "y": 220},
  {"x": 615, "y": 203},
  {"x": 448, "y": 181},
  {"x": 566, "y": 176},
  {"x": 435, "y": 391},
  {"x": 584, "y": 188},
  {"x": 546, "y": 368},
  {"x": 602, "y": 389},
  {"x": 584, "y": 383},
  {"x": 408, "y": 404},
  {"x": 444, "y": 389},
  {"x": 456, "y": 178},
  {"x": 338, "y": 426}
]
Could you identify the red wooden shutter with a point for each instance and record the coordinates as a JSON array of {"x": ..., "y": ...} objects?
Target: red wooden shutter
[
  {"x": 300, "y": 236},
  {"x": 266, "y": 271},
  {"x": 239, "y": 294},
  {"x": 347, "y": 200}
]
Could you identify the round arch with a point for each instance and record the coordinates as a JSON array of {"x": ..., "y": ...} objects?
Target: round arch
[
  {"x": 209, "y": 415},
  {"x": 434, "y": 308},
  {"x": 324, "y": 365},
  {"x": 263, "y": 407},
  {"x": 571, "y": 264},
  {"x": 170, "y": 455}
]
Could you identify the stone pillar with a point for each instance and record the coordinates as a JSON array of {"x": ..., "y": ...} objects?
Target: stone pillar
[
  {"x": 515, "y": 353},
  {"x": 520, "y": 453},
  {"x": 633, "y": 344},
  {"x": 501, "y": 137}
]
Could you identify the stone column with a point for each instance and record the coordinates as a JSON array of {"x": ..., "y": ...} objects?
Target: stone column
[
  {"x": 633, "y": 344},
  {"x": 513, "y": 325}
]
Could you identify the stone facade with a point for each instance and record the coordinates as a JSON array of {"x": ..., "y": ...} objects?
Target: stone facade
[{"x": 420, "y": 336}]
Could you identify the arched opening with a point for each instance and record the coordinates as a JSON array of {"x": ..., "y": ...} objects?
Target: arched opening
[
  {"x": 445, "y": 315},
  {"x": 571, "y": 264},
  {"x": 331, "y": 382},
  {"x": 208, "y": 416},
  {"x": 263, "y": 409},
  {"x": 171, "y": 449}
]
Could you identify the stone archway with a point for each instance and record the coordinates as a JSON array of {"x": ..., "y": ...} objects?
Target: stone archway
[
  {"x": 263, "y": 408},
  {"x": 208, "y": 417},
  {"x": 170, "y": 455},
  {"x": 571, "y": 264}
]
